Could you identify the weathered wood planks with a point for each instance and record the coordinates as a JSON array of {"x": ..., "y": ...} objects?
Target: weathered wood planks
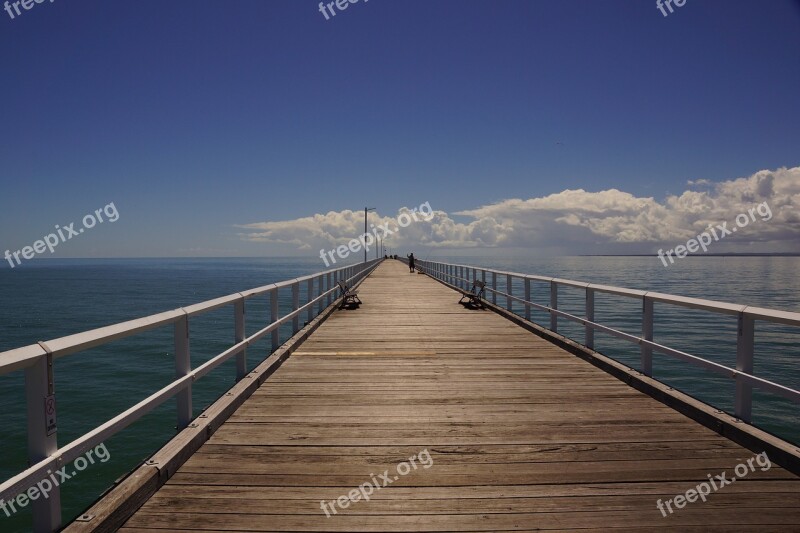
[{"x": 523, "y": 435}]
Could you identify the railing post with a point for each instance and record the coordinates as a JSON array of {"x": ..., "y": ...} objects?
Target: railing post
[
  {"x": 647, "y": 334},
  {"x": 494, "y": 287},
  {"x": 335, "y": 275},
  {"x": 483, "y": 276},
  {"x": 295, "y": 306},
  {"x": 329, "y": 286},
  {"x": 527, "y": 299},
  {"x": 589, "y": 331},
  {"x": 241, "y": 357},
  {"x": 320, "y": 290},
  {"x": 509, "y": 291},
  {"x": 183, "y": 365},
  {"x": 42, "y": 437},
  {"x": 745, "y": 346},
  {"x": 310, "y": 295},
  {"x": 554, "y": 306},
  {"x": 273, "y": 317}
]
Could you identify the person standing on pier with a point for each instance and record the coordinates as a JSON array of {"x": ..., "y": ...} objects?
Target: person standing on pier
[{"x": 411, "y": 265}]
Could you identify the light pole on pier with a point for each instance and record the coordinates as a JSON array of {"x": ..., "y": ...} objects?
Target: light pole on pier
[{"x": 366, "y": 210}]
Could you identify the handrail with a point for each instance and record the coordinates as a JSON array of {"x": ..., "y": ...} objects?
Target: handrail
[
  {"x": 458, "y": 276},
  {"x": 37, "y": 361}
]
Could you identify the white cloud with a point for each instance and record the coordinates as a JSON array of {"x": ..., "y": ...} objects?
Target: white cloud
[{"x": 579, "y": 221}]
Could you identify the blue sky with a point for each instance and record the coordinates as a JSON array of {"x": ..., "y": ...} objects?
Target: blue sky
[{"x": 197, "y": 118}]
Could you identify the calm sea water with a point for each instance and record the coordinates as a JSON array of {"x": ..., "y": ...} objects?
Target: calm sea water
[{"x": 49, "y": 299}]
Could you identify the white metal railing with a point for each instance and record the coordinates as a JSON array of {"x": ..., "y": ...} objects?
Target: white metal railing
[
  {"x": 37, "y": 361},
  {"x": 459, "y": 276}
]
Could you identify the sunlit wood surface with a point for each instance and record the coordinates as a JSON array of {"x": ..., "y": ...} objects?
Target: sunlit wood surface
[{"x": 523, "y": 437}]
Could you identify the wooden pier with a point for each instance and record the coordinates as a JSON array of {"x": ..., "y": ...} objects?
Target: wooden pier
[{"x": 522, "y": 435}]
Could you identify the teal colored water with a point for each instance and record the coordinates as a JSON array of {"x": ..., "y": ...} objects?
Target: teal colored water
[{"x": 49, "y": 299}]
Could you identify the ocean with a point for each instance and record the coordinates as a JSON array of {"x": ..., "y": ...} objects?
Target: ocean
[{"x": 47, "y": 299}]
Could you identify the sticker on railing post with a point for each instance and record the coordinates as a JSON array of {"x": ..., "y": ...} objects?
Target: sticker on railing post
[{"x": 50, "y": 414}]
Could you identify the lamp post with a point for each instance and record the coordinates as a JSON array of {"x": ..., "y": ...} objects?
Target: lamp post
[{"x": 366, "y": 210}]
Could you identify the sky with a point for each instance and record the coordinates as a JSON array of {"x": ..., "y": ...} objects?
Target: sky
[{"x": 261, "y": 128}]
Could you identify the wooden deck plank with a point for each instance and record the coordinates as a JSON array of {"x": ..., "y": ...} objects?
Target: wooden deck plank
[
  {"x": 409, "y": 521},
  {"x": 523, "y": 437}
]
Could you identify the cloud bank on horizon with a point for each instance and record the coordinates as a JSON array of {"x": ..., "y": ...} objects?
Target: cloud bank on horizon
[{"x": 576, "y": 221}]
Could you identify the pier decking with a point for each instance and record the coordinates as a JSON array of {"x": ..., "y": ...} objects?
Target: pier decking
[{"x": 523, "y": 436}]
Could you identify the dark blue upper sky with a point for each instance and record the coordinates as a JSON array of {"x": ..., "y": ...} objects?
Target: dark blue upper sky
[{"x": 195, "y": 116}]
